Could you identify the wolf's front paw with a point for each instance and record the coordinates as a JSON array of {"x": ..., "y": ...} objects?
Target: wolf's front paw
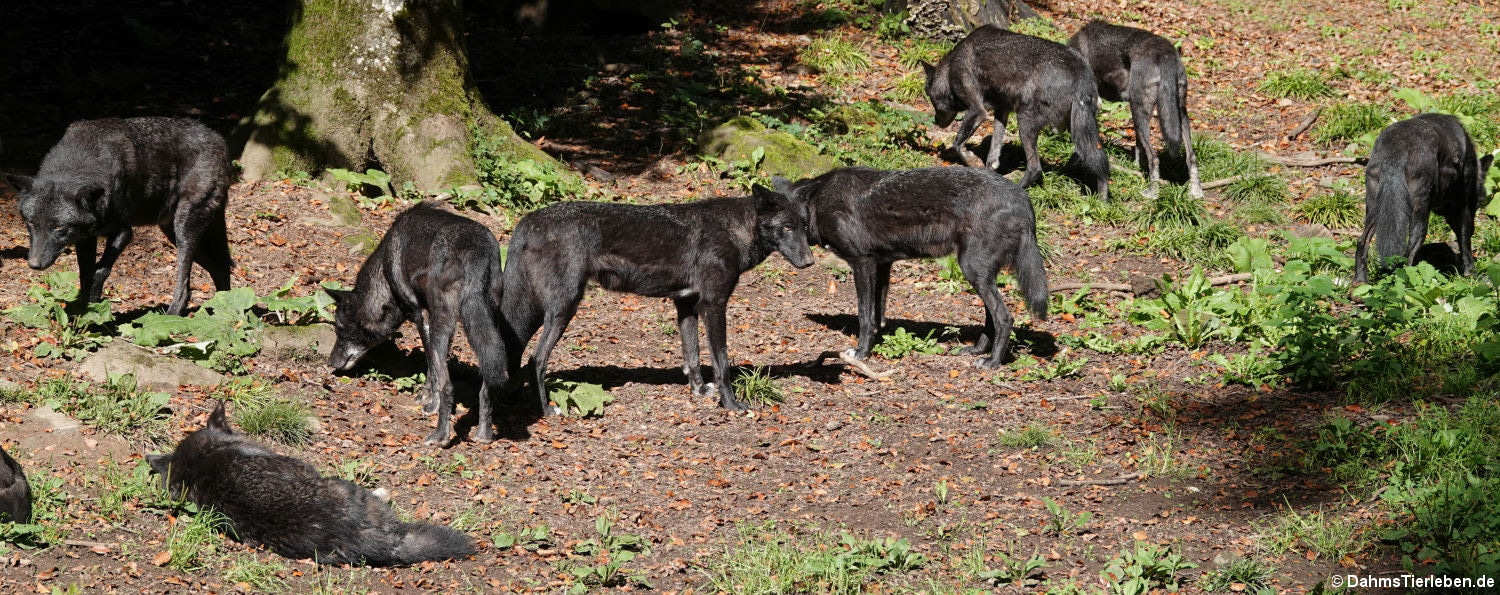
[
  {"x": 429, "y": 403},
  {"x": 987, "y": 364},
  {"x": 437, "y": 438},
  {"x": 704, "y": 389}
]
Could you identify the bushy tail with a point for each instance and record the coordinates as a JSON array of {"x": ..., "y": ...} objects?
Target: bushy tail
[
  {"x": 1392, "y": 210},
  {"x": 480, "y": 312},
  {"x": 1083, "y": 126},
  {"x": 520, "y": 316},
  {"x": 1030, "y": 275},
  {"x": 421, "y": 542},
  {"x": 1171, "y": 92}
]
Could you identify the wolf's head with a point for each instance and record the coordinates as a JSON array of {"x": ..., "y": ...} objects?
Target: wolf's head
[
  {"x": 944, "y": 106},
  {"x": 781, "y": 223},
  {"x": 360, "y": 324},
  {"x": 194, "y": 444},
  {"x": 58, "y": 213}
]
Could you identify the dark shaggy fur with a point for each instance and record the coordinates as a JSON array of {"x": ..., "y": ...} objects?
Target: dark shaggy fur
[
  {"x": 434, "y": 268},
  {"x": 1423, "y": 164},
  {"x": 15, "y": 493},
  {"x": 107, "y": 176},
  {"x": 872, "y": 218},
  {"x": 692, "y": 253},
  {"x": 1143, "y": 68},
  {"x": 284, "y": 504},
  {"x": 1044, "y": 83}
]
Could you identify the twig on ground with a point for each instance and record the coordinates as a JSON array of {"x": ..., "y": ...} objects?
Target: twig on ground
[
  {"x": 1114, "y": 481},
  {"x": 1127, "y": 288},
  {"x": 859, "y": 366},
  {"x": 1222, "y": 182},
  {"x": 1311, "y": 161},
  {"x": 1306, "y": 123}
]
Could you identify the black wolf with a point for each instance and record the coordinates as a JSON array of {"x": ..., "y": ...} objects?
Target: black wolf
[
  {"x": 283, "y": 503},
  {"x": 692, "y": 253},
  {"x": 434, "y": 268},
  {"x": 15, "y": 493},
  {"x": 107, "y": 176},
  {"x": 873, "y": 218},
  {"x": 1044, "y": 83},
  {"x": 1419, "y": 165},
  {"x": 1143, "y": 68}
]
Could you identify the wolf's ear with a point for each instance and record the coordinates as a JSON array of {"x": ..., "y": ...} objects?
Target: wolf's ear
[
  {"x": 159, "y": 463},
  {"x": 19, "y": 182},
  {"x": 1485, "y": 163},
  {"x": 217, "y": 419},
  {"x": 340, "y": 296},
  {"x": 766, "y": 200},
  {"x": 782, "y": 185}
]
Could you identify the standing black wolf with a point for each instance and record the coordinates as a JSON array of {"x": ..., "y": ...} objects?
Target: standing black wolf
[
  {"x": 15, "y": 493},
  {"x": 283, "y": 503},
  {"x": 434, "y": 268},
  {"x": 1044, "y": 83},
  {"x": 107, "y": 176},
  {"x": 872, "y": 218},
  {"x": 1143, "y": 68},
  {"x": 1423, "y": 164},
  {"x": 693, "y": 253}
]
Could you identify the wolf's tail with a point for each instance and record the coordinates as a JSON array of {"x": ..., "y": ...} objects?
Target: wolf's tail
[
  {"x": 1391, "y": 210},
  {"x": 480, "y": 311},
  {"x": 1030, "y": 275},
  {"x": 520, "y": 314},
  {"x": 1083, "y": 126},
  {"x": 421, "y": 542},
  {"x": 1172, "y": 92}
]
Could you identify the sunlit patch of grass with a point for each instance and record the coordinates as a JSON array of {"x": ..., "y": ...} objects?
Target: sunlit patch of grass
[
  {"x": 1258, "y": 188},
  {"x": 1339, "y": 209},
  {"x": 835, "y": 54},
  {"x": 1296, "y": 83},
  {"x": 1172, "y": 207},
  {"x": 1346, "y": 122}
]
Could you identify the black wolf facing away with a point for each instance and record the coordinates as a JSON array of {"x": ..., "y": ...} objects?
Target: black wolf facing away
[
  {"x": 872, "y": 218},
  {"x": 1143, "y": 68},
  {"x": 692, "y": 253},
  {"x": 434, "y": 268},
  {"x": 1044, "y": 83},
  {"x": 107, "y": 176},
  {"x": 1423, "y": 164},
  {"x": 15, "y": 493},
  {"x": 284, "y": 504}
]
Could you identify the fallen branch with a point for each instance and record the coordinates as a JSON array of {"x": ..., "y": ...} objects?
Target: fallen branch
[
  {"x": 88, "y": 544},
  {"x": 859, "y": 366},
  {"x": 1222, "y": 182},
  {"x": 1123, "y": 479},
  {"x": 1306, "y": 123},
  {"x": 1311, "y": 161},
  {"x": 1128, "y": 288}
]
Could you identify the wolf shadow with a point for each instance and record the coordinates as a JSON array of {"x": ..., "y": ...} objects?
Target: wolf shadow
[
  {"x": 434, "y": 268},
  {"x": 105, "y": 177},
  {"x": 15, "y": 493},
  {"x": 283, "y": 503},
  {"x": 692, "y": 253},
  {"x": 872, "y": 218},
  {"x": 1043, "y": 82},
  {"x": 1144, "y": 69},
  {"x": 1424, "y": 164}
]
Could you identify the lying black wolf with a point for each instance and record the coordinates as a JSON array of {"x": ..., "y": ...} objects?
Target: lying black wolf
[
  {"x": 872, "y": 218},
  {"x": 434, "y": 268},
  {"x": 1423, "y": 164},
  {"x": 693, "y": 253},
  {"x": 106, "y": 176},
  {"x": 15, "y": 493},
  {"x": 1044, "y": 83},
  {"x": 1143, "y": 68},
  {"x": 283, "y": 503}
]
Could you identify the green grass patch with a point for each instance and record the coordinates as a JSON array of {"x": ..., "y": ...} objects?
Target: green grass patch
[
  {"x": 259, "y": 575},
  {"x": 1296, "y": 83},
  {"x": 768, "y": 560},
  {"x": 834, "y": 54},
  {"x": 1352, "y": 122},
  {"x": 1247, "y": 575},
  {"x": 1173, "y": 207},
  {"x": 1033, "y": 435},
  {"x": 900, "y": 343},
  {"x": 1336, "y": 209},
  {"x": 193, "y": 540},
  {"x": 757, "y": 387},
  {"x": 116, "y": 407}
]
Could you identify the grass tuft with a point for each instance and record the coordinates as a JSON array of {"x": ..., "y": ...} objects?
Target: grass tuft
[
  {"x": 834, "y": 55},
  {"x": 1339, "y": 209},
  {"x": 1347, "y": 122},
  {"x": 757, "y": 387},
  {"x": 1296, "y": 83}
]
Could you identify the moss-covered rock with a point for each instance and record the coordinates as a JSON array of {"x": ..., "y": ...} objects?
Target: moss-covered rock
[{"x": 785, "y": 155}]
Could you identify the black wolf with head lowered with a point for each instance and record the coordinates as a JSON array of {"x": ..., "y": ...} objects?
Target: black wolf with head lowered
[
  {"x": 15, "y": 493},
  {"x": 1044, "y": 83},
  {"x": 692, "y": 253},
  {"x": 108, "y": 176},
  {"x": 1144, "y": 69},
  {"x": 434, "y": 268},
  {"x": 1425, "y": 164},
  {"x": 284, "y": 504},
  {"x": 873, "y": 218}
]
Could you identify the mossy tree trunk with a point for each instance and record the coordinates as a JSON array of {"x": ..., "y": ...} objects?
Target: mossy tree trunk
[
  {"x": 952, "y": 19},
  {"x": 374, "y": 82}
]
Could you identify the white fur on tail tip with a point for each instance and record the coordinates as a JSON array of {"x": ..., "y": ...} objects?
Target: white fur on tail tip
[{"x": 382, "y": 494}]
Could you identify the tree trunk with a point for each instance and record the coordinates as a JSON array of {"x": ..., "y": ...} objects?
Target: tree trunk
[
  {"x": 374, "y": 83},
  {"x": 953, "y": 19}
]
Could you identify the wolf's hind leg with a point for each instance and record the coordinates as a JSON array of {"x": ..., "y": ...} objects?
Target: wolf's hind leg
[
  {"x": 715, "y": 318},
  {"x": 442, "y": 319},
  {"x": 552, "y": 330},
  {"x": 687, "y": 328}
]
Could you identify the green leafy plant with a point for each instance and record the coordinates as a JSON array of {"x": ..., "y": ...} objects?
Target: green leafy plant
[
  {"x": 757, "y": 387},
  {"x": 300, "y": 310},
  {"x": 1013, "y": 570},
  {"x": 1147, "y": 567},
  {"x": 1060, "y": 366},
  {"x": 531, "y": 538},
  {"x": 72, "y": 335},
  {"x": 900, "y": 343},
  {"x": 47, "y": 504},
  {"x": 581, "y": 398},
  {"x": 356, "y": 182},
  {"x": 1239, "y": 575},
  {"x": 613, "y": 550},
  {"x": 116, "y": 407},
  {"x": 216, "y": 336},
  {"x": 1061, "y": 521},
  {"x": 509, "y": 179},
  {"x": 1172, "y": 207}
]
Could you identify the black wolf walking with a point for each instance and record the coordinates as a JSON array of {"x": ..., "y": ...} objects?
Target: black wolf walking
[
  {"x": 1145, "y": 69},
  {"x": 692, "y": 253},
  {"x": 872, "y": 218},
  {"x": 434, "y": 268},
  {"x": 1419, "y": 165},
  {"x": 283, "y": 503},
  {"x": 1044, "y": 83},
  {"x": 107, "y": 176},
  {"x": 15, "y": 493}
]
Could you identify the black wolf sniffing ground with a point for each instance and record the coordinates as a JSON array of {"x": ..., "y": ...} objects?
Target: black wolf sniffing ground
[
  {"x": 107, "y": 176},
  {"x": 692, "y": 253},
  {"x": 434, "y": 268},
  {"x": 283, "y": 503},
  {"x": 872, "y": 218},
  {"x": 1423, "y": 164},
  {"x": 1044, "y": 83},
  {"x": 1144, "y": 69},
  {"x": 15, "y": 493}
]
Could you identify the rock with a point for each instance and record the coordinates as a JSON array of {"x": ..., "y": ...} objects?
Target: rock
[
  {"x": 361, "y": 243},
  {"x": 309, "y": 342},
  {"x": 1311, "y": 230},
  {"x": 153, "y": 371},
  {"x": 344, "y": 210},
  {"x": 785, "y": 155},
  {"x": 50, "y": 420}
]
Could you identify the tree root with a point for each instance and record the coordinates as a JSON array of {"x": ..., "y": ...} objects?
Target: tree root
[
  {"x": 1135, "y": 288},
  {"x": 1114, "y": 481}
]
